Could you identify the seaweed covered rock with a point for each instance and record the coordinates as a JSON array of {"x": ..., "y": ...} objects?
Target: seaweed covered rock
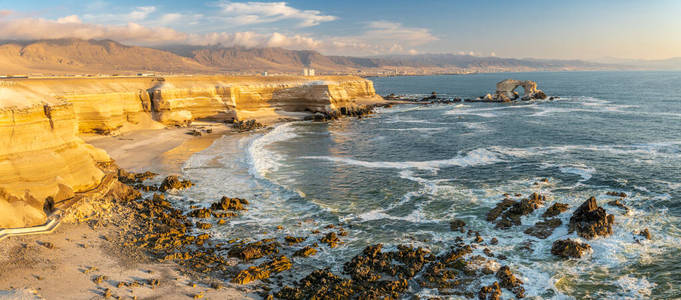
[
  {"x": 173, "y": 182},
  {"x": 227, "y": 203},
  {"x": 591, "y": 221},
  {"x": 320, "y": 284},
  {"x": 490, "y": 292},
  {"x": 305, "y": 252},
  {"x": 255, "y": 250},
  {"x": 263, "y": 271},
  {"x": 330, "y": 239},
  {"x": 569, "y": 248}
]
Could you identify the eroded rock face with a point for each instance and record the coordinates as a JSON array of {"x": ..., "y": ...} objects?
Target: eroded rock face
[
  {"x": 591, "y": 221},
  {"x": 569, "y": 248}
]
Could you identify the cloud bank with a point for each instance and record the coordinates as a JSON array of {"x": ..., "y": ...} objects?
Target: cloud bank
[{"x": 147, "y": 26}]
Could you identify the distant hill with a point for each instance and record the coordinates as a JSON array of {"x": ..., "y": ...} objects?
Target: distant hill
[
  {"x": 673, "y": 63},
  {"x": 75, "y": 56},
  {"x": 89, "y": 56}
]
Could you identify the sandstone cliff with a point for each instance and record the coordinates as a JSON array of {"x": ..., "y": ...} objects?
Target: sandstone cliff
[{"x": 40, "y": 119}]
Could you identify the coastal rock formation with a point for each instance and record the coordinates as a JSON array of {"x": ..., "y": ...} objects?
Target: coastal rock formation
[
  {"x": 506, "y": 91},
  {"x": 591, "y": 221},
  {"x": 40, "y": 120},
  {"x": 41, "y": 157}
]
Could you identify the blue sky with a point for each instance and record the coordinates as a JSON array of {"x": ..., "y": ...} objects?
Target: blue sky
[{"x": 544, "y": 29}]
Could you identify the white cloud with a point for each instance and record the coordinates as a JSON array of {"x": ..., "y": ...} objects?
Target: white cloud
[
  {"x": 245, "y": 13},
  {"x": 141, "y": 13},
  {"x": 69, "y": 19},
  {"x": 380, "y": 37},
  {"x": 170, "y": 18},
  {"x": 71, "y": 27},
  {"x": 137, "y": 15}
]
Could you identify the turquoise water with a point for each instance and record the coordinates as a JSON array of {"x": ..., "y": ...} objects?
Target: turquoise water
[{"x": 400, "y": 176}]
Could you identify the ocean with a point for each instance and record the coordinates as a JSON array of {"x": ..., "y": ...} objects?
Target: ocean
[{"x": 401, "y": 175}]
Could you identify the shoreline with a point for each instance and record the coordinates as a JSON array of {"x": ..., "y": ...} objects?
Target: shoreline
[{"x": 82, "y": 250}]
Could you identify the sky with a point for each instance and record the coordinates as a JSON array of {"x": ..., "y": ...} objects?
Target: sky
[{"x": 576, "y": 29}]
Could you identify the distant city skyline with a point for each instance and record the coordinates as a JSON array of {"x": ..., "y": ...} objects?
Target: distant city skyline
[{"x": 589, "y": 30}]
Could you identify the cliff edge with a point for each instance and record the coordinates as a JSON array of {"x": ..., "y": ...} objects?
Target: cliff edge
[{"x": 42, "y": 155}]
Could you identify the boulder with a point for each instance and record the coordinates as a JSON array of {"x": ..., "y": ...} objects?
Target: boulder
[{"x": 569, "y": 248}]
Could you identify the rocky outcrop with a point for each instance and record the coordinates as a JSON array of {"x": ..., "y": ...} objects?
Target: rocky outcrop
[
  {"x": 591, "y": 221},
  {"x": 506, "y": 91},
  {"x": 42, "y": 156}
]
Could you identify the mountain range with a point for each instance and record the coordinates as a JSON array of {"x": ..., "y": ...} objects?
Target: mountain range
[{"x": 75, "y": 56}]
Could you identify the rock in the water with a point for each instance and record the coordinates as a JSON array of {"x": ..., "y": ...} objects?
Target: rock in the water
[
  {"x": 591, "y": 221},
  {"x": 569, "y": 248},
  {"x": 619, "y": 204},
  {"x": 490, "y": 292},
  {"x": 544, "y": 229},
  {"x": 173, "y": 182},
  {"x": 227, "y": 203},
  {"x": 511, "y": 217},
  {"x": 510, "y": 282},
  {"x": 617, "y": 194},
  {"x": 457, "y": 225},
  {"x": 331, "y": 239},
  {"x": 305, "y": 252},
  {"x": 645, "y": 233},
  {"x": 555, "y": 209}
]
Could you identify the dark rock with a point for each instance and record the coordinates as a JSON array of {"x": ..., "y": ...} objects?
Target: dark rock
[
  {"x": 544, "y": 229},
  {"x": 490, "y": 292},
  {"x": 246, "y": 125},
  {"x": 645, "y": 233},
  {"x": 227, "y": 203},
  {"x": 617, "y": 194},
  {"x": 619, "y": 204},
  {"x": 291, "y": 240},
  {"x": 457, "y": 225},
  {"x": 305, "y": 252},
  {"x": 494, "y": 241},
  {"x": 555, "y": 209},
  {"x": 511, "y": 217},
  {"x": 173, "y": 182},
  {"x": 510, "y": 282},
  {"x": 569, "y": 248},
  {"x": 255, "y": 250},
  {"x": 591, "y": 221},
  {"x": 202, "y": 213},
  {"x": 263, "y": 271},
  {"x": 330, "y": 239}
]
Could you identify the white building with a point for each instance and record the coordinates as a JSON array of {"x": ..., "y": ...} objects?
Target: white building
[{"x": 308, "y": 72}]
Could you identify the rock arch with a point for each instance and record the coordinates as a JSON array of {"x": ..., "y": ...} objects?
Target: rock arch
[{"x": 506, "y": 90}]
